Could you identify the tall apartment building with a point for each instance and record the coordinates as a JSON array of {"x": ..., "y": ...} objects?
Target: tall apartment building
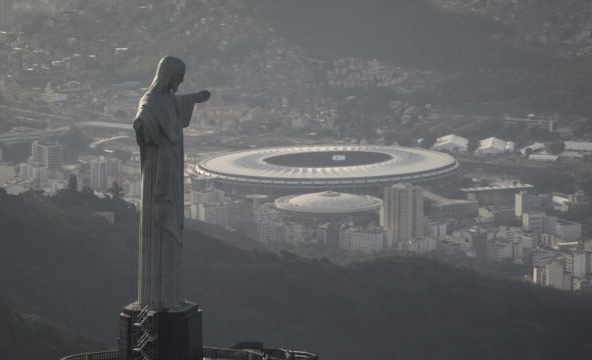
[
  {"x": 98, "y": 174},
  {"x": 402, "y": 212},
  {"x": 526, "y": 202},
  {"x": 582, "y": 264},
  {"x": 49, "y": 154},
  {"x": 552, "y": 274},
  {"x": 534, "y": 221}
]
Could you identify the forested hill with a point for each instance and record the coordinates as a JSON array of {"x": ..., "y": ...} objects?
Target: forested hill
[
  {"x": 405, "y": 32},
  {"x": 59, "y": 261},
  {"x": 27, "y": 336}
]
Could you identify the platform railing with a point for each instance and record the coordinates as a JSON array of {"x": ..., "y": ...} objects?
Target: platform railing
[
  {"x": 214, "y": 353},
  {"x": 103, "y": 355}
]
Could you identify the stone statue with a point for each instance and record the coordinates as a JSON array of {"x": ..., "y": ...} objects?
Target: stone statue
[{"x": 159, "y": 123}]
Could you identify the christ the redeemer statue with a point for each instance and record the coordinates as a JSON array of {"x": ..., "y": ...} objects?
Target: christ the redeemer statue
[{"x": 159, "y": 123}]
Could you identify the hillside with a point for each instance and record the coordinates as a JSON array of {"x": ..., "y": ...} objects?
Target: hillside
[
  {"x": 59, "y": 261},
  {"x": 498, "y": 56},
  {"x": 407, "y": 32},
  {"x": 30, "y": 337}
]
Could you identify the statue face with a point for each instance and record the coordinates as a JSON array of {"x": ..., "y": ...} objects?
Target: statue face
[{"x": 176, "y": 81}]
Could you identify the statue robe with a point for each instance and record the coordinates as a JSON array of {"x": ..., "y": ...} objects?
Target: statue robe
[{"x": 159, "y": 127}]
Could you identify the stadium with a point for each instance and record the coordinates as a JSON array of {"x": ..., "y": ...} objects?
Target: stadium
[
  {"x": 349, "y": 168},
  {"x": 327, "y": 203}
]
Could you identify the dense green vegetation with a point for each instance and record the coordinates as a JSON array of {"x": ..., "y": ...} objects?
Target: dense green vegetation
[
  {"x": 407, "y": 32},
  {"x": 27, "y": 336},
  {"x": 61, "y": 262},
  {"x": 485, "y": 71}
]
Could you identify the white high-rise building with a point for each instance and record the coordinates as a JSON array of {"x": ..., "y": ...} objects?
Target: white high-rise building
[
  {"x": 98, "y": 174},
  {"x": 48, "y": 154},
  {"x": 402, "y": 213}
]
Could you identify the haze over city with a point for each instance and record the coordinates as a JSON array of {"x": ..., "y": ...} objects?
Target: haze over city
[{"x": 281, "y": 179}]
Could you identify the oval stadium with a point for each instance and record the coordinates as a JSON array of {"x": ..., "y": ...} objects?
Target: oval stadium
[{"x": 297, "y": 169}]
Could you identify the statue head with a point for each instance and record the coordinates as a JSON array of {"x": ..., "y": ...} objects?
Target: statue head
[{"x": 169, "y": 75}]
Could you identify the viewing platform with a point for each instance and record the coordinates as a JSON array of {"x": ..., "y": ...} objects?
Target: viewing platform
[{"x": 213, "y": 353}]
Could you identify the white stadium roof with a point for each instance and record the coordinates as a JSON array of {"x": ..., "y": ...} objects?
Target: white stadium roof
[
  {"x": 337, "y": 165},
  {"x": 328, "y": 202}
]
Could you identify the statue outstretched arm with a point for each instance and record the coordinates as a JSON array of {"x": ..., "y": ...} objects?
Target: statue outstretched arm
[{"x": 201, "y": 96}]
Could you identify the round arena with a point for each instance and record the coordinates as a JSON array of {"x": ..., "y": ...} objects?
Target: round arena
[{"x": 297, "y": 169}]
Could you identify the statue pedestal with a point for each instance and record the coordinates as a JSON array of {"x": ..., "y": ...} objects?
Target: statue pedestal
[{"x": 174, "y": 334}]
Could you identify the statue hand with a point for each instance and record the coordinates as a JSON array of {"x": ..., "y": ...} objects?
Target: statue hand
[{"x": 202, "y": 96}]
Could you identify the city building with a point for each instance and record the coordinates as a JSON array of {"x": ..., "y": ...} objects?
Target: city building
[
  {"x": 368, "y": 240},
  {"x": 228, "y": 213},
  {"x": 534, "y": 222},
  {"x": 49, "y": 154},
  {"x": 98, "y": 174},
  {"x": 451, "y": 143},
  {"x": 526, "y": 202},
  {"x": 494, "y": 146},
  {"x": 567, "y": 230},
  {"x": 531, "y": 121},
  {"x": 441, "y": 208},
  {"x": 578, "y": 146},
  {"x": 528, "y": 240},
  {"x": 498, "y": 195},
  {"x": 210, "y": 196},
  {"x": 213, "y": 206},
  {"x": 6, "y": 14},
  {"x": 418, "y": 245},
  {"x": 582, "y": 264},
  {"x": 436, "y": 230},
  {"x": 114, "y": 166},
  {"x": 552, "y": 274},
  {"x": 278, "y": 231},
  {"x": 402, "y": 212},
  {"x": 35, "y": 172},
  {"x": 500, "y": 249}
]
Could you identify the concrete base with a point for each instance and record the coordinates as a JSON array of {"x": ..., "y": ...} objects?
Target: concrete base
[{"x": 178, "y": 329}]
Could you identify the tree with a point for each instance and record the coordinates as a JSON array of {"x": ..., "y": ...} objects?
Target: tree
[
  {"x": 555, "y": 148},
  {"x": 472, "y": 146},
  {"x": 73, "y": 183},
  {"x": 428, "y": 141},
  {"x": 115, "y": 191}
]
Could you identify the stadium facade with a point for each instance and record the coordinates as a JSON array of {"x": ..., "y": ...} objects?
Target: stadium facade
[{"x": 349, "y": 168}]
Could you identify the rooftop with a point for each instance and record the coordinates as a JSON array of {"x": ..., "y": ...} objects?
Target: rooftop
[
  {"x": 328, "y": 202},
  {"x": 328, "y": 164},
  {"x": 497, "y": 188}
]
